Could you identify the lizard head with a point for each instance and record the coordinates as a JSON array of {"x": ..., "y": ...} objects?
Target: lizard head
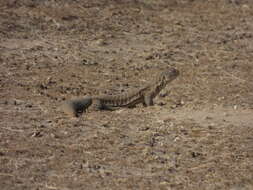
[{"x": 169, "y": 75}]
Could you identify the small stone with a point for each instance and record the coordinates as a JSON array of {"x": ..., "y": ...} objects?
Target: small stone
[
  {"x": 245, "y": 7},
  {"x": 17, "y": 102},
  {"x": 37, "y": 134},
  {"x": 65, "y": 133},
  {"x": 54, "y": 135},
  {"x": 195, "y": 154},
  {"x": 28, "y": 105},
  {"x": 105, "y": 125},
  {"x": 221, "y": 98},
  {"x": 161, "y": 103},
  {"x": 225, "y": 114},
  {"x": 173, "y": 106},
  {"x": 101, "y": 42}
]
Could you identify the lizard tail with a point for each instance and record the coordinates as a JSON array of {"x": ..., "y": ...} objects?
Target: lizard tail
[{"x": 77, "y": 106}]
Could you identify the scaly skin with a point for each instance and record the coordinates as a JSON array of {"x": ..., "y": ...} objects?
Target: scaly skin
[{"x": 143, "y": 95}]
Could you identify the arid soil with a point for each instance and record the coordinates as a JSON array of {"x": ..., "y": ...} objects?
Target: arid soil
[{"x": 199, "y": 134}]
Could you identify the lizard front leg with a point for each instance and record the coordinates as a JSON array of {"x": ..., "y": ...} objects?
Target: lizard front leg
[{"x": 148, "y": 100}]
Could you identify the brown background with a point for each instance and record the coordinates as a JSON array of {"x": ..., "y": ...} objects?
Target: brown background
[{"x": 199, "y": 134}]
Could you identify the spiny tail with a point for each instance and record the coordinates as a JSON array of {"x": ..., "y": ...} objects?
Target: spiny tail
[{"x": 76, "y": 106}]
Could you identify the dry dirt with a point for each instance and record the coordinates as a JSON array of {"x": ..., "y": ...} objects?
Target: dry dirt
[{"x": 199, "y": 135}]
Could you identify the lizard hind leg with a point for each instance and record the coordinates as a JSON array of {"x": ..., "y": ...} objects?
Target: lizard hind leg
[{"x": 96, "y": 105}]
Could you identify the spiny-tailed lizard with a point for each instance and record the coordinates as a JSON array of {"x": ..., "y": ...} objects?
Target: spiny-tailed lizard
[{"x": 144, "y": 95}]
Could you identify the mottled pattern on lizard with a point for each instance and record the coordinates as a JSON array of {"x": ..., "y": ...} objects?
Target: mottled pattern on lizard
[{"x": 143, "y": 95}]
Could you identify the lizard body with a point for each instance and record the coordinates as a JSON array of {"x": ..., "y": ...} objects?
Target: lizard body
[{"x": 144, "y": 95}]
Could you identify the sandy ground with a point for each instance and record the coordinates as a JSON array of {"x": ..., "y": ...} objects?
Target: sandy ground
[{"x": 199, "y": 135}]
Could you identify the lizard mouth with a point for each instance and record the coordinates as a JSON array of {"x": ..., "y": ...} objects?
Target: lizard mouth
[{"x": 171, "y": 74}]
